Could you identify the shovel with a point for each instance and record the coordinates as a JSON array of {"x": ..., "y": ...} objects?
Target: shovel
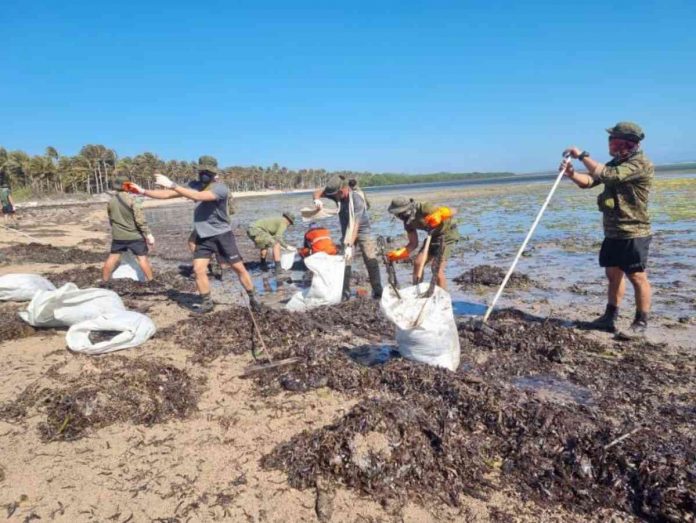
[{"x": 477, "y": 324}]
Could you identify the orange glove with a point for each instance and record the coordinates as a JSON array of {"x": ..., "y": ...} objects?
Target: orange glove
[
  {"x": 436, "y": 218},
  {"x": 132, "y": 188},
  {"x": 398, "y": 254}
]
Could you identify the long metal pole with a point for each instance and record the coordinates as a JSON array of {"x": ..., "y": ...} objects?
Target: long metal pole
[{"x": 561, "y": 172}]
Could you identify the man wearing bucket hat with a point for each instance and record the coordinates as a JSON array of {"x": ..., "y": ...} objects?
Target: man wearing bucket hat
[
  {"x": 627, "y": 180},
  {"x": 355, "y": 230},
  {"x": 129, "y": 230},
  {"x": 438, "y": 222},
  {"x": 212, "y": 227},
  {"x": 269, "y": 233}
]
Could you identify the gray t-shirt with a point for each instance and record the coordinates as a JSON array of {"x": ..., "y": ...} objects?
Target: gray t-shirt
[
  {"x": 211, "y": 218},
  {"x": 360, "y": 210}
]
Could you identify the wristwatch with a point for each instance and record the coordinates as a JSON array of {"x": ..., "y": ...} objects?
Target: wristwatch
[{"x": 583, "y": 155}]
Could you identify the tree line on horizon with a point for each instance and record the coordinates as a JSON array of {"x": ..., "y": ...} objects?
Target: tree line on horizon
[{"x": 95, "y": 166}]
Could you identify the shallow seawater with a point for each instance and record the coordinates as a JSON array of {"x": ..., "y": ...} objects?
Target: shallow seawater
[{"x": 493, "y": 220}]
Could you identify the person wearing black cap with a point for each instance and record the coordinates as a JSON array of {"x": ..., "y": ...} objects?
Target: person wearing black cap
[
  {"x": 269, "y": 233},
  {"x": 355, "y": 229},
  {"x": 212, "y": 226},
  {"x": 627, "y": 180},
  {"x": 129, "y": 230}
]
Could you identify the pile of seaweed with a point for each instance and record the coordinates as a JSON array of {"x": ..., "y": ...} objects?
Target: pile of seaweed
[
  {"x": 103, "y": 392},
  {"x": 491, "y": 276},
  {"x": 11, "y": 325},
  {"x": 40, "y": 253},
  {"x": 286, "y": 334},
  {"x": 432, "y": 434}
]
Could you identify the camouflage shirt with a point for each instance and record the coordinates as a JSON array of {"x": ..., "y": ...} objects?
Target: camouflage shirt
[
  {"x": 126, "y": 217},
  {"x": 624, "y": 201},
  {"x": 448, "y": 227}
]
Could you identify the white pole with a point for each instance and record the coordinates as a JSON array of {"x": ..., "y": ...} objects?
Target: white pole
[{"x": 561, "y": 172}]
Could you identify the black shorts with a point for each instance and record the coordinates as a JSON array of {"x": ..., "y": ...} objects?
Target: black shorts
[
  {"x": 137, "y": 247},
  {"x": 8, "y": 209},
  {"x": 224, "y": 245},
  {"x": 628, "y": 255}
]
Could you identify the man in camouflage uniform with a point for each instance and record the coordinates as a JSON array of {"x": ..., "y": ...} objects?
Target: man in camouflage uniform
[
  {"x": 269, "y": 233},
  {"x": 355, "y": 229},
  {"x": 425, "y": 216},
  {"x": 627, "y": 180}
]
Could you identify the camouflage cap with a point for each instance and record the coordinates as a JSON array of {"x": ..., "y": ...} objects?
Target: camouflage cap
[
  {"x": 400, "y": 204},
  {"x": 117, "y": 183},
  {"x": 335, "y": 184},
  {"x": 208, "y": 164},
  {"x": 290, "y": 217},
  {"x": 627, "y": 131}
]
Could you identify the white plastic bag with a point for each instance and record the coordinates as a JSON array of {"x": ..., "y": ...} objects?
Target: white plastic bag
[
  {"x": 327, "y": 283},
  {"x": 134, "y": 329},
  {"x": 69, "y": 305},
  {"x": 434, "y": 339},
  {"x": 22, "y": 287},
  {"x": 128, "y": 269},
  {"x": 287, "y": 259}
]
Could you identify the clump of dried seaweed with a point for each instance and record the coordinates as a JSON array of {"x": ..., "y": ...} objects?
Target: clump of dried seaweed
[
  {"x": 40, "y": 253},
  {"x": 491, "y": 276}
]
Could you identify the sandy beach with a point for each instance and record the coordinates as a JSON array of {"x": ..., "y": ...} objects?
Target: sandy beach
[{"x": 203, "y": 459}]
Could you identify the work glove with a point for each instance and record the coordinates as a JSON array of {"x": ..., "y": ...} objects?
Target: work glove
[
  {"x": 318, "y": 204},
  {"x": 150, "y": 239},
  {"x": 348, "y": 253},
  {"x": 163, "y": 181},
  {"x": 398, "y": 254},
  {"x": 133, "y": 188},
  {"x": 436, "y": 218}
]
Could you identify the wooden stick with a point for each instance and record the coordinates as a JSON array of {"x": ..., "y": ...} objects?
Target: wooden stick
[
  {"x": 620, "y": 439},
  {"x": 257, "y": 369},
  {"x": 22, "y": 233}
]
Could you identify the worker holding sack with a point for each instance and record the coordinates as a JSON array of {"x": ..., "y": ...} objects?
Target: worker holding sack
[{"x": 441, "y": 227}]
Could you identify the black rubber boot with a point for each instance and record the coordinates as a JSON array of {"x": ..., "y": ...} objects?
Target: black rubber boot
[
  {"x": 375, "y": 277},
  {"x": 637, "y": 329},
  {"x": 263, "y": 264},
  {"x": 206, "y": 304},
  {"x": 607, "y": 321},
  {"x": 347, "y": 273}
]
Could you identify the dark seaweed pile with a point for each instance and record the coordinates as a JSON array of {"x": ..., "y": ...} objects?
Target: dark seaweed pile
[
  {"x": 40, "y": 253},
  {"x": 11, "y": 325},
  {"x": 490, "y": 276},
  {"x": 120, "y": 389},
  {"x": 451, "y": 434}
]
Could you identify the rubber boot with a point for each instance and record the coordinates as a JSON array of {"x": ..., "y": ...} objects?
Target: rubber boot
[
  {"x": 206, "y": 304},
  {"x": 263, "y": 265},
  {"x": 347, "y": 273},
  {"x": 607, "y": 321},
  {"x": 375, "y": 277},
  {"x": 637, "y": 329}
]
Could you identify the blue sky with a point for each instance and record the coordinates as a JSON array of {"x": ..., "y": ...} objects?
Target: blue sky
[{"x": 383, "y": 86}]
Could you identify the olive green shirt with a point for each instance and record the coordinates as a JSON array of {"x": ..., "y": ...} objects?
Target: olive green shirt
[
  {"x": 448, "y": 227},
  {"x": 4, "y": 195},
  {"x": 624, "y": 201},
  {"x": 275, "y": 227},
  {"x": 126, "y": 217}
]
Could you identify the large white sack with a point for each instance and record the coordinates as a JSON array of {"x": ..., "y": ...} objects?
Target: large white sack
[
  {"x": 327, "y": 283},
  {"x": 128, "y": 269},
  {"x": 134, "y": 329},
  {"x": 435, "y": 339},
  {"x": 287, "y": 259},
  {"x": 69, "y": 305},
  {"x": 22, "y": 287}
]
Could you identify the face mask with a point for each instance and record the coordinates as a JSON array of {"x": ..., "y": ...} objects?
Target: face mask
[{"x": 205, "y": 178}]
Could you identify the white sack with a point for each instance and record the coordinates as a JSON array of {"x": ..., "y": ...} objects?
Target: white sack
[
  {"x": 327, "y": 283},
  {"x": 310, "y": 214},
  {"x": 134, "y": 329},
  {"x": 22, "y": 287},
  {"x": 128, "y": 269},
  {"x": 69, "y": 305},
  {"x": 287, "y": 259},
  {"x": 435, "y": 339}
]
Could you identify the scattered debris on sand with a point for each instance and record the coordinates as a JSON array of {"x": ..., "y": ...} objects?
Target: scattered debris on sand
[
  {"x": 89, "y": 393},
  {"x": 11, "y": 325},
  {"x": 40, "y": 253}
]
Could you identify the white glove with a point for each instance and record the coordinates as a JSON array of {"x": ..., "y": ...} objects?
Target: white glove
[
  {"x": 150, "y": 239},
  {"x": 348, "y": 253},
  {"x": 318, "y": 204},
  {"x": 163, "y": 181}
]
